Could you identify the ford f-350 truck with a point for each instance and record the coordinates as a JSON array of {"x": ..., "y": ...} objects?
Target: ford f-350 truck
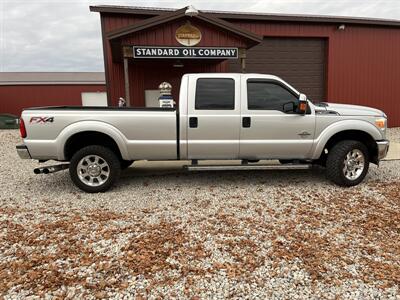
[{"x": 223, "y": 116}]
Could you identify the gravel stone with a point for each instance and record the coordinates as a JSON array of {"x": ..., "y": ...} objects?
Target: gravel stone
[{"x": 206, "y": 235}]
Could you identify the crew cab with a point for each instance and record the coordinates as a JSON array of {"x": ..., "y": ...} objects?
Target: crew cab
[{"x": 221, "y": 116}]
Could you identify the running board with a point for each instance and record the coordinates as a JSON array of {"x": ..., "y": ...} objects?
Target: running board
[{"x": 247, "y": 167}]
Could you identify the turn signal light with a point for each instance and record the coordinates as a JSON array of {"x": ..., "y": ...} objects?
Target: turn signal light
[
  {"x": 22, "y": 128},
  {"x": 302, "y": 107},
  {"x": 380, "y": 123}
]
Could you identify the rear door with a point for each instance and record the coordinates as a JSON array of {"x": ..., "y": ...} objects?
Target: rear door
[
  {"x": 270, "y": 127},
  {"x": 213, "y": 121}
]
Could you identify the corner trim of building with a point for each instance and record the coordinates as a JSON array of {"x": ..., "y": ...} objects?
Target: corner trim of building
[{"x": 105, "y": 55}]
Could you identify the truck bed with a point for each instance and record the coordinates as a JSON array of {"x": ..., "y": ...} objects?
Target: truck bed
[
  {"x": 144, "y": 132},
  {"x": 99, "y": 108}
]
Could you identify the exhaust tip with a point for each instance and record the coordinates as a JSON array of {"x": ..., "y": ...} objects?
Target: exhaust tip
[
  {"x": 36, "y": 171},
  {"x": 46, "y": 171}
]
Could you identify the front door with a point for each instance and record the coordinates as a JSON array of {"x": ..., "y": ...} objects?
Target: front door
[
  {"x": 270, "y": 127},
  {"x": 213, "y": 117}
]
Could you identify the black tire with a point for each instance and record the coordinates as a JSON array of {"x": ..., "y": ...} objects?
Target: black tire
[
  {"x": 105, "y": 154},
  {"x": 292, "y": 161},
  {"x": 286, "y": 161},
  {"x": 336, "y": 160},
  {"x": 125, "y": 164}
]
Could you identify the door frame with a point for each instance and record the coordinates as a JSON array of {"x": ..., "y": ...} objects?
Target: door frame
[{"x": 222, "y": 120}]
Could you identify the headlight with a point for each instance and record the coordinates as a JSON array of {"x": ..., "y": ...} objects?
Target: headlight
[{"x": 380, "y": 123}]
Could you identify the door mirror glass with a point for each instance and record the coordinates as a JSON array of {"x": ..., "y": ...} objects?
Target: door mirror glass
[{"x": 289, "y": 107}]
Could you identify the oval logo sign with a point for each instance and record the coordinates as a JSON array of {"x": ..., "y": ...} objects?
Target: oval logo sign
[{"x": 188, "y": 35}]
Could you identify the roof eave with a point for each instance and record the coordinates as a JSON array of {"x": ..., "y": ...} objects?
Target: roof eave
[
  {"x": 255, "y": 16},
  {"x": 154, "y": 21},
  {"x": 147, "y": 23},
  {"x": 125, "y": 10}
]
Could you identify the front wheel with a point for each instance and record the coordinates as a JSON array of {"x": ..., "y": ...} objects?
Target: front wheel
[
  {"x": 347, "y": 163},
  {"x": 94, "y": 169},
  {"x": 125, "y": 164}
]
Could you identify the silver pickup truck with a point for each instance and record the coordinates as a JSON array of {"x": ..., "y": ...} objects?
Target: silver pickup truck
[{"x": 224, "y": 116}]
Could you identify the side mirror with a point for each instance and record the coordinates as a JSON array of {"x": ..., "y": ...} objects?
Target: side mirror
[
  {"x": 303, "y": 103},
  {"x": 289, "y": 107}
]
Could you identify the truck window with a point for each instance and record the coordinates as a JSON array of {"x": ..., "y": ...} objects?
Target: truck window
[
  {"x": 215, "y": 93},
  {"x": 268, "y": 95}
]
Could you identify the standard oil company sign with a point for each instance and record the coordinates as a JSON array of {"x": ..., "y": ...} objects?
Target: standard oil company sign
[{"x": 185, "y": 52}]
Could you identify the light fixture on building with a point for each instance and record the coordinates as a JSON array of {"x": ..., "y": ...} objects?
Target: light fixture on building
[
  {"x": 178, "y": 64},
  {"x": 191, "y": 11},
  {"x": 342, "y": 27}
]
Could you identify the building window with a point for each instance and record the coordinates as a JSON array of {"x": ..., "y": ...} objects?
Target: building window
[
  {"x": 266, "y": 95},
  {"x": 215, "y": 93}
]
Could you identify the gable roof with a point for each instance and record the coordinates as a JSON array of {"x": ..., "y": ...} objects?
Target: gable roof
[
  {"x": 151, "y": 11},
  {"x": 180, "y": 13}
]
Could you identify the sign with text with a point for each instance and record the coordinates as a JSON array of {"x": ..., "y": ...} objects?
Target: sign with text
[
  {"x": 188, "y": 35},
  {"x": 185, "y": 52}
]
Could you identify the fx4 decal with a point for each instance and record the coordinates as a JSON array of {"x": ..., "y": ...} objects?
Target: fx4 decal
[{"x": 41, "y": 120}]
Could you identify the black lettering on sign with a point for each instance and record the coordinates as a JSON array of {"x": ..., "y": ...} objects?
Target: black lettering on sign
[{"x": 185, "y": 52}]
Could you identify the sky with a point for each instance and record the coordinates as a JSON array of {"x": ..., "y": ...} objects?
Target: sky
[{"x": 60, "y": 35}]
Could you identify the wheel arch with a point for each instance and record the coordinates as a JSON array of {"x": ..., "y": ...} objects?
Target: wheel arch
[
  {"x": 356, "y": 135},
  {"x": 358, "y": 130},
  {"x": 81, "y": 134}
]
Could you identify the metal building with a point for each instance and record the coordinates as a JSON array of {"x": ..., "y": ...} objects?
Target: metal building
[
  {"x": 345, "y": 60},
  {"x": 19, "y": 90}
]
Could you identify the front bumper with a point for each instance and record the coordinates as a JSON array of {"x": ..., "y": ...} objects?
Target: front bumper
[
  {"x": 383, "y": 148},
  {"x": 23, "y": 152}
]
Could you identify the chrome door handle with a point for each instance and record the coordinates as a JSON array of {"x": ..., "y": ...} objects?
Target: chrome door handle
[{"x": 304, "y": 133}]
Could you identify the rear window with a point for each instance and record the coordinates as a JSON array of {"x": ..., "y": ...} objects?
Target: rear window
[{"x": 215, "y": 93}]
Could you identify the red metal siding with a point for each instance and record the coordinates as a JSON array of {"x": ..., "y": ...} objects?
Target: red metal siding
[
  {"x": 115, "y": 72},
  {"x": 117, "y": 21},
  {"x": 149, "y": 74},
  {"x": 363, "y": 62},
  {"x": 16, "y": 97},
  {"x": 165, "y": 36}
]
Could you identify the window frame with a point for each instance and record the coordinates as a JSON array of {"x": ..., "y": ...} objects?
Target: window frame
[
  {"x": 213, "y": 108},
  {"x": 273, "y": 81}
]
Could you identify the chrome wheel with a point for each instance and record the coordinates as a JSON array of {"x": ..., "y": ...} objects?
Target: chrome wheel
[
  {"x": 353, "y": 164},
  {"x": 93, "y": 170}
]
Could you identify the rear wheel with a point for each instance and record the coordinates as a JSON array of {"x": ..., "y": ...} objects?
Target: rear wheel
[
  {"x": 94, "y": 169},
  {"x": 347, "y": 163}
]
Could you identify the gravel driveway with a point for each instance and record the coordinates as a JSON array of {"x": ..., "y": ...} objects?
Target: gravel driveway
[{"x": 255, "y": 234}]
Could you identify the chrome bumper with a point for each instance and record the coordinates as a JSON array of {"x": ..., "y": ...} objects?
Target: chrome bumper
[
  {"x": 383, "y": 148},
  {"x": 23, "y": 152}
]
